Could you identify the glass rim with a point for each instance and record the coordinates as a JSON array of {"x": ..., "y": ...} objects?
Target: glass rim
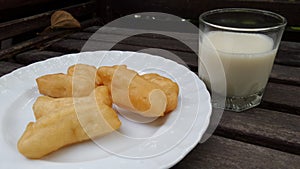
[{"x": 249, "y": 10}]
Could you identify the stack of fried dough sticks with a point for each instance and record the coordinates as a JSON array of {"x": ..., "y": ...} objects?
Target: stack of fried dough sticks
[{"x": 77, "y": 106}]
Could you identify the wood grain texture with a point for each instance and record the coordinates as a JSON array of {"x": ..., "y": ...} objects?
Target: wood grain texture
[
  {"x": 16, "y": 3},
  {"x": 288, "y": 54},
  {"x": 40, "y": 21},
  {"x": 67, "y": 46},
  {"x": 39, "y": 41},
  {"x": 80, "y": 36},
  {"x": 74, "y": 45},
  {"x": 192, "y": 9},
  {"x": 30, "y": 44},
  {"x": 144, "y": 40},
  {"x": 219, "y": 153},
  {"x": 32, "y": 56},
  {"x": 7, "y": 67},
  {"x": 92, "y": 29},
  {"x": 129, "y": 31},
  {"x": 267, "y": 128},
  {"x": 282, "y": 97},
  {"x": 285, "y": 74},
  {"x": 280, "y": 73},
  {"x": 15, "y": 9},
  {"x": 267, "y": 136}
]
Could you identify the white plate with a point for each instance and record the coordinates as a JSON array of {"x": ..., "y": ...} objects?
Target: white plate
[{"x": 159, "y": 144}]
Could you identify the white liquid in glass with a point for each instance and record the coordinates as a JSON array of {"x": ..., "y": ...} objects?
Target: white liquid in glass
[{"x": 247, "y": 60}]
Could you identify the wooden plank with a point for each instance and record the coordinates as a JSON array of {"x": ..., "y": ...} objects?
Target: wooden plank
[
  {"x": 37, "y": 42},
  {"x": 20, "y": 26},
  {"x": 282, "y": 97},
  {"x": 17, "y": 27},
  {"x": 67, "y": 46},
  {"x": 187, "y": 59},
  {"x": 263, "y": 127},
  {"x": 32, "y": 56},
  {"x": 80, "y": 35},
  {"x": 73, "y": 45},
  {"x": 83, "y": 11},
  {"x": 7, "y": 67},
  {"x": 288, "y": 54},
  {"x": 92, "y": 29},
  {"x": 142, "y": 41},
  {"x": 19, "y": 3},
  {"x": 129, "y": 31},
  {"x": 285, "y": 74},
  {"x": 192, "y": 9},
  {"x": 287, "y": 35},
  {"x": 14, "y": 9},
  {"x": 145, "y": 40},
  {"x": 219, "y": 152},
  {"x": 32, "y": 43},
  {"x": 280, "y": 74},
  {"x": 103, "y": 10}
]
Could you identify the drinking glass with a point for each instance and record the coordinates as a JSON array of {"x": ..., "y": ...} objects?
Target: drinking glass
[{"x": 245, "y": 42}]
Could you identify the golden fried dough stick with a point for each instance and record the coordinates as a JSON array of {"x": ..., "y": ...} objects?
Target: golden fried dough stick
[
  {"x": 55, "y": 85},
  {"x": 170, "y": 88},
  {"x": 45, "y": 105},
  {"x": 129, "y": 90},
  {"x": 85, "y": 70},
  {"x": 67, "y": 126},
  {"x": 80, "y": 81},
  {"x": 57, "y": 130}
]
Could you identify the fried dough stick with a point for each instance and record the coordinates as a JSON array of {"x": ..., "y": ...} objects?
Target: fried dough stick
[
  {"x": 170, "y": 88},
  {"x": 80, "y": 81},
  {"x": 139, "y": 91},
  {"x": 67, "y": 126},
  {"x": 45, "y": 105}
]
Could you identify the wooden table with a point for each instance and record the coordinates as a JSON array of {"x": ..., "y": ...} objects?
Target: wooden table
[{"x": 267, "y": 136}]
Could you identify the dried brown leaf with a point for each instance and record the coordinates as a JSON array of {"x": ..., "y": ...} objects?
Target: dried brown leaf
[{"x": 63, "y": 19}]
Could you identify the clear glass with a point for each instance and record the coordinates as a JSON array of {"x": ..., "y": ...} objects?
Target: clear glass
[{"x": 245, "y": 41}]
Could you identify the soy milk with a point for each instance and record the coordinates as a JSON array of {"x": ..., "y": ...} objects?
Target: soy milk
[{"x": 247, "y": 60}]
